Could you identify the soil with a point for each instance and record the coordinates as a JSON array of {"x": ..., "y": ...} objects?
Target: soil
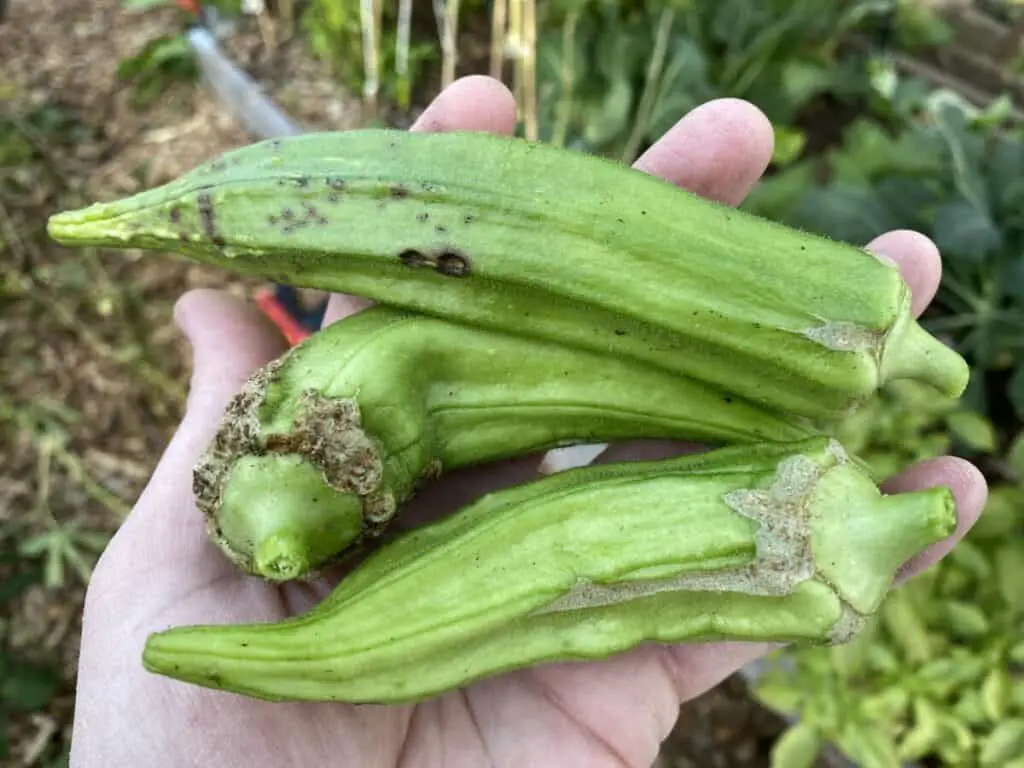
[{"x": 94, "y": 371}]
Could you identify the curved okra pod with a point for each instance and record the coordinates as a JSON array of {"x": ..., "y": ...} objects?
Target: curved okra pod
[
  {"x": 551, "y": 244},
  {"x": 322, "y": 445},
  {"x": 775, "y": 542}
]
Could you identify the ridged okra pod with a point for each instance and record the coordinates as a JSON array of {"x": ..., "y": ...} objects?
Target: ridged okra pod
[
  {"x": 324, "y": 444},
  {"x": 526, "y": 238},
  {"x": 775, "y": 542}
]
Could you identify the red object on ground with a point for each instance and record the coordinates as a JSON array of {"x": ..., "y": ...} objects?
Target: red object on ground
[
  {"x": 190, "y": 6},
  {"x": 293, "y": 331}
]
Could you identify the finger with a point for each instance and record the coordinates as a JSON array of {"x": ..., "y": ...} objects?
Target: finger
[
  {"x": 718, "y": 150},
  {"x": 473, "y": 103},
  {"x": 918, "y": 260}
]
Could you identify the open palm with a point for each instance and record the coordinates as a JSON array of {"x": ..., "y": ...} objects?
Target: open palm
[{"x": 161, "y": 571}]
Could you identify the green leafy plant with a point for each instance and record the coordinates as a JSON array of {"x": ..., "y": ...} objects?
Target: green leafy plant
[{"x": 614, "y": 76}]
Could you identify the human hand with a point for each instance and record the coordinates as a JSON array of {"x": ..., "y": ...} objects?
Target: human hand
[{"x": 160, "y": 569}]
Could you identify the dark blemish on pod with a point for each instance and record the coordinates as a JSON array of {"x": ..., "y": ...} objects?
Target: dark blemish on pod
[
  {"x": 206, "y": 216},
  {"x": 469, "y": 218},
  {"x": 422, "y": 216},
  {"x": 336, "y": 184},
  {"x": 398, "y": 192},
  {"x": 302, "y": 182},
  {"x": 281, "y": 182},
  {"x": 621, "y": 221},
  {"x": 452, "y": 263},
  {"x": 175, "y": 214},
  {"x": 218, "y": 240},
  {"x": 413, "y": 258},
  {"x": 183, "y": 236},
  {"x": 619, "y": 332},
  {"x": 332, "y": 197},
  {"x": 218, "y": 165},
  {"x": 727, "y": 399},
  {"x": 287, "y": 213},
  {"x": 275, "y": 143},
  {"x": 441, "y": 228},
  {"x": 271, "y": 219}
]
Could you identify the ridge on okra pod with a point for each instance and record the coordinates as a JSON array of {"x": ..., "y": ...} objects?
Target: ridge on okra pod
[
  {"x": 546, "y": 243},
  {"x": 778, "y": 542},
  {"x": 323, "y": 445}
]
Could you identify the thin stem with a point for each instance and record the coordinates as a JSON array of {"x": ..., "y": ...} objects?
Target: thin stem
[
  {"x": 567, "y": 75},
  {"x": 402, "y": 50},
  {"x": 499, "y": 16},
  {"x": 371, "y": 83},
  {"x": 655, "y": 66},
  {"x": 530, "y": 69}
]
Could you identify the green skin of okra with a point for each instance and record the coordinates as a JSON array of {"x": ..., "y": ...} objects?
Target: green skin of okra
[
  {"x": 324, "y": 445},
  {"x": 551, "y": 244},
  {"x": 770, "y": 542}
]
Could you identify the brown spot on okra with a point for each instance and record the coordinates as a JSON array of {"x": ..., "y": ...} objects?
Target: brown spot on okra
[
  {"x": 336, "y": 184},
  {"x": 440, "y": 228},
  {"x": 332, "y": 197},
  {"x": 206, "y": 215},
  {"x": 413, "y": 258},
  {"x": 398, "y": 192},
  {"x": 452, "y": 263},
  {"x": 424, "y": 216},
  {"x": 469, "y": 218},
  {"x": 175, "y": 214}
]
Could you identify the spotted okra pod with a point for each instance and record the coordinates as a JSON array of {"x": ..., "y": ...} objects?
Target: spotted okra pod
[
  {"x": 547, "y": 243},
  {"x": 786, "y": 542}
]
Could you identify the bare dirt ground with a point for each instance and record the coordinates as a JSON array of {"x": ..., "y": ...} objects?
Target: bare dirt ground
[{"x": 94, "y": 373}]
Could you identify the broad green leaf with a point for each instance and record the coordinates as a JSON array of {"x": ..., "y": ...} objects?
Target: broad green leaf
[
  {"x": 962, "y": 230},
  {"x": 1017, "y": 653},
  {"x": 996, "y": 694},
  {"x": 945, "y": 675},
  {"x": 969, "y": 707},
  {"x": 1006, "y": 742},
  {"x": 889, "y": 705},
  {"x": 1016, "y": 392},
  {"x": 1004, "y": 512},
  {"x": 949, "y": 111},
  {"x": 905, "y": 626},
  {"x": 780, "y": 696},
  {"x": 778, "y": 195},
  {"x": 797, "y": 747},
  {"x": 924, "y": 734},
  {"x": 1009, "y": 567},
  {"x": 868, "y": 746},
  {"x": 966, "y": 619},
  {"x": 1005, "y": 172},
  {"x": 789, "y": 143},
  {"x": 844, "y": 212},
  {"x": 909, "y": 199},
  {"x": 974, "y": 430},
  {"x": 803, "y": 80}
]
